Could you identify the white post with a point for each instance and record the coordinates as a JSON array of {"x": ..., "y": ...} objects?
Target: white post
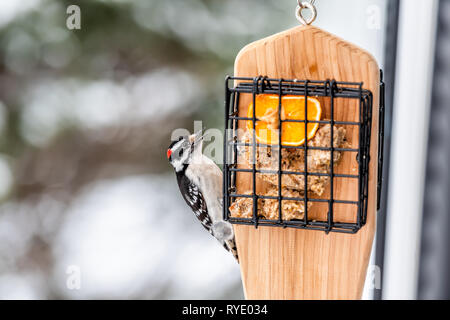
[{"x": 415, "y": 61}]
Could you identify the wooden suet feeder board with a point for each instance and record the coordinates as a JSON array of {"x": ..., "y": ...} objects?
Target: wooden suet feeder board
[{"x": 283, "y": 256}]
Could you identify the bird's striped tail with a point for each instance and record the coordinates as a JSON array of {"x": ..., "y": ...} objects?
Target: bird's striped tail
[{"x": 230, "y": 245}]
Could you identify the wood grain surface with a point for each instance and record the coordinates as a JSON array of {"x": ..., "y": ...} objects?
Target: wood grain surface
[{"x": 301, "y": 264}]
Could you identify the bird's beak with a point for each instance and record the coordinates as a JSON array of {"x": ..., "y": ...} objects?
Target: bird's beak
[{"x": 197, "y": 137}]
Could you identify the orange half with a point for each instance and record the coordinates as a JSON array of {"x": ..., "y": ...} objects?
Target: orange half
[{"x": 292, "y": 108}]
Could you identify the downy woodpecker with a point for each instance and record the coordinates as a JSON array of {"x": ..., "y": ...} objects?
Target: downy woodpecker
[{"x": 200, "y": 183}]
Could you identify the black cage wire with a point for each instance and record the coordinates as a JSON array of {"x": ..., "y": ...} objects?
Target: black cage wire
[{"x": 330, "y": 89}]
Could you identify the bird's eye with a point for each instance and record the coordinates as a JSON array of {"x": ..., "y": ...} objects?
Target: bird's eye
[{"x": 181, "y": 152}]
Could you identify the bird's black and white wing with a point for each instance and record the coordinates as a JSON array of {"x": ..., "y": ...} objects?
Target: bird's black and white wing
[{"x": 195, "y": 201}]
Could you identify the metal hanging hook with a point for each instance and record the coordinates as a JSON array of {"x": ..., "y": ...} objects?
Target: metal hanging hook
[
  {"x": 311, "y": 1},
  {"x": 305, "y": 5}
]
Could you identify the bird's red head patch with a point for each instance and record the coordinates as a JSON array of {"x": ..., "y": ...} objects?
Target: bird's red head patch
[{"x": 169, "y": 153}]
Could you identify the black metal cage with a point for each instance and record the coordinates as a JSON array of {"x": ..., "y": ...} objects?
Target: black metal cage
[{"x": 328, "y": 90}]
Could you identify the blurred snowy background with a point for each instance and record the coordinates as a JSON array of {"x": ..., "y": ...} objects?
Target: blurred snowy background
[{"x": 85, "y": 119}]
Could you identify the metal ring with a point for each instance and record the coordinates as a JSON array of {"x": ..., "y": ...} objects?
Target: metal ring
[{"x": 299, "y": 15}]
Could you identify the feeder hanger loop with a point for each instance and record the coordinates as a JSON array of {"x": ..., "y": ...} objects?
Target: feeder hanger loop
[{"x": 306, "y": 5}]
